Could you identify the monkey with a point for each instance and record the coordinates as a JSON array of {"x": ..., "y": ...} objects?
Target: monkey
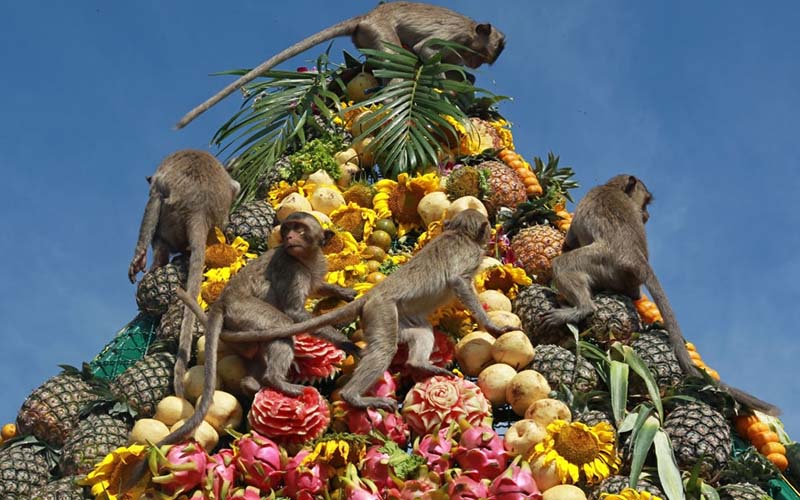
[
  {"x": 406, "y": 24},
  {"x": 606, "y": 249},
  {"x": 396, "y": 309},
  {"x": 190, "y": 194}
]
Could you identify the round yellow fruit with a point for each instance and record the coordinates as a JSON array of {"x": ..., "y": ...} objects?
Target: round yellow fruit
[
  {"x": 8, "y": 431},
  {"x": 474, "y": 352},
  {"x": 493, "y": 381},
  {"x": 357, "y": 87},
  {"x": 380, "y": 238},
  {"x": 513, "y": 348},
  {"x": 172, "y": 408},
  {"x": 495, "y": 300},
  {"x": 564, "y": 492},
  {"x": 526, "y": 387},
  {"x": 546, "y": 410},
  {"x": 148, "y": 430}
]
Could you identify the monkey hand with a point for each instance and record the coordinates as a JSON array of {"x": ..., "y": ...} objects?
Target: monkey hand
[
  {"x": 496, "y": 330},
  {"x": 138, "y": 264}
]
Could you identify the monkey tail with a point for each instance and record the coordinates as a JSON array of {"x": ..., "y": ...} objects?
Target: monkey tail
[
  {"x": 343, "y": 28},
  {"x": 678, "y": 344},
  {"x": 193, "y": 306},
  {"x": 344, "y": 313}
]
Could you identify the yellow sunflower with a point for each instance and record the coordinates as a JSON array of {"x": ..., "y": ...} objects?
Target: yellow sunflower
[
  {"x": 399, "y": 199},
  {"x": 337, "y": 452},
  {"x": 212, "y": 286},
  {"x": 453, "y": 319},
  {"x": 579, "y": 452},
  {"x": 629, "y": 494},
  {"x": 284, "y": 189},
  {"x": 356, "y": 220},
  {"x": 107, "y": 477},
  {"x": 232, "y": 255},
  {"x": 345, "y": 262},
  {"x": 434, "y": 229},
  {"x": 506, "y": 279}
]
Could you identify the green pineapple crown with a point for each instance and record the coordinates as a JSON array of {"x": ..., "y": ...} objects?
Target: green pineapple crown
[{"x": 555, "y": 181}]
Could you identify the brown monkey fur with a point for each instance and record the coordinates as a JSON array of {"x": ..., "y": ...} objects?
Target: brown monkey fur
[
  {"x": 606, "y": 249},
  {"x": 190, "y": 193},
  {"x": 396, "y": 309},
  {"x": 399, "y": 23}
]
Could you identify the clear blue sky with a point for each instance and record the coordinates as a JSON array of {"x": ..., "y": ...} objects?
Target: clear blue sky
[{"x": 699, "y": 99}]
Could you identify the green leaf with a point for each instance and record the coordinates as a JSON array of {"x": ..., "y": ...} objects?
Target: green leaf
[
  {"x": 642, "y": 441},
  {"x": 618, "y": 389},
  {"x": 638, "y": 366},
  {"x": 668, "y": 473}
]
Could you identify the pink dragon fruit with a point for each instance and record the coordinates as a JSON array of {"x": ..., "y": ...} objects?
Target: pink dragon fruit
[
  {"x": 356, "y": 488},
  {"x": 481, "y": 453},
  {"x": 364, "y": 421},
  {"x": 386, "y": 387},
  {"x": 181, "y": 467},
  {"x": 246, "y": 493},
  {"x": 220, "y": 474},
  {"x": 375, "y": 466},
  {"x": 304, "y": 481},
  {"x": 467, "y": 488},
  {"x": 515, "y": 483},
  {"x": 437, "y": 449},
  {"x": 425, "y": 487},
  {"x": 259, "y": 460}
]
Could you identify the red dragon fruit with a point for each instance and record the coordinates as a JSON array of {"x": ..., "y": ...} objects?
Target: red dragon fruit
[
  {"x": 246, "y": 493},
  {"x": 314, "y": 360},
  {"x": 425, "y": 487},
  {"x": 437, "y": 449},
  {"x": 467, "y": 488},
  {"x": 259, "y": 460},
  {"x": 516, "y": 483},
  {"x": 181, "y": 467},
  {"x": 364, "y": 421},
  {"x": 442, "y": 355},
  {"x": 481, "y": 453},
  {"x": 356, "y": 488},
  {"x": 386, "y": 387},
  {"x": 220, "y": 474},
  {"x": 305, "y": 481},
  {"x": 375, "y": 466}
]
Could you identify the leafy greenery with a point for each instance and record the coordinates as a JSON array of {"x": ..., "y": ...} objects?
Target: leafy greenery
[{"x": 316, "y": 154}]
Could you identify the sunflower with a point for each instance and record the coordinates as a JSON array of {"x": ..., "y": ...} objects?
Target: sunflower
[
  {"x": 399, "y": 199},
  {"x": 338, "y": 450},
  {"x": 232, "y": 255},
  {"x": 107, "y": 477},
  {"x": 344, "y": 256},
  {"x": 284, "y": 189},
  {"x": 453, "y": 319},
  {"x": 506, "y": 278},
  {"x": 629, "y": 494},
  {"x": 434, "y": 229},
  {"x": 354, "y": 219},
  {"x": 212, "y": 286},
  {"x": 579, "y": 452}
]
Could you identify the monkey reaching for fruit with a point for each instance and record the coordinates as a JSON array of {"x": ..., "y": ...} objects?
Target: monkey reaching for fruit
[
  {"x": 397, "y": 308},
  {"x": 399, "y": 23},
  {"x": 190, "y": 194},
  {"x": 606, "y": 249}
]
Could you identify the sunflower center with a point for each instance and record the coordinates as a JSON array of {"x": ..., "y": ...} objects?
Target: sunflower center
[
  {"x": 220, "y": 255},
  {"x": 403, "y": 204},
  {"x": 212, "y": 291},
  {"x": 576, "y": 445},
  {"x": 351, "y": 222},
  {"x": 498, "y": 279},
  {"x": 338, "y": 262},
  {"x": 334, "y": 245}
]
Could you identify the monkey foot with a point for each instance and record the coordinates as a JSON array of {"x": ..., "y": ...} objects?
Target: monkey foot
[
  {"x": 556, "y": 319},
  {"x": 387, "y": 404}
]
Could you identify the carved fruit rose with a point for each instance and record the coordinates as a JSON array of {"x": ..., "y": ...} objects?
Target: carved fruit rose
[
  {"x": 440, "y": 400},
  {"x": 289, "y": 420}
]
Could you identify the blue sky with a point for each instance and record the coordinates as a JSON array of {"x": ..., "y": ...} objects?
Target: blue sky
[{"x": 699, "y": 99}]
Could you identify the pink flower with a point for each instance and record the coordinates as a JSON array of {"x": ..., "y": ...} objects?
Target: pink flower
[
  {"x": 287, "y": 419},
  {"x": 440, "y": 400}
]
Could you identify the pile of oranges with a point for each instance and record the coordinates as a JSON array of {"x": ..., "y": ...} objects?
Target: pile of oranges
[{"x": 763, "y": 438}]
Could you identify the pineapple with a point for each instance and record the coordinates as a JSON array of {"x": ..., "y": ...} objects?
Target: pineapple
[
  {"x": 169, "y": 328},
  {"x": 530, "y": 305},
  {"x": 466, "y": 181},
  {"x": 92, "y": 439},
  {"x": 65, "y": 488},
  {"x": 24, "y": 468},
  {"x": 359, "y": 193},
  {"x": 558, "y": 365},
  {"x": 506, "y": 189},
  {"x": 699, "y": 431},
  {"x": 145, "y": 383},
  {"x": 51, "y": 411},
  {"x": 252, "y": 221},
  {"x": 614, "y": 319},
  {"x": 157, "y": 288},
  {"x": 615, "y": 484},
  {"x": 535, "y": 248},
  {"x": 593, "y": 417},
  {"x": 655, "y": 350},
  {"x": 742, "y": 491}
]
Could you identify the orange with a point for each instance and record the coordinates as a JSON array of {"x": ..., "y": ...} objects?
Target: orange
[
  {"x": 763, "y": 438},
  {"x": 772, "y": 447},
  {"x": 712, "y": 373},
  {"x": 373, "y": 252},
  {"x": 387, "y": 225},
  {"x": 756, "y": 429},
  {"x": 743, "y": 422},
  {"x": 690, "y": 346},
  {"x": 778, "y": 460},
  {"x": 8, "y": 431}
]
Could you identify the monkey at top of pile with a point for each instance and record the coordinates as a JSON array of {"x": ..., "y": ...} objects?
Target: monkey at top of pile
[
  {"x": 405, "y": 24},
  {"x": 606, "y": 249},
  {"x": 396, "y": 309},
  {"x": 190, "y": 194}
]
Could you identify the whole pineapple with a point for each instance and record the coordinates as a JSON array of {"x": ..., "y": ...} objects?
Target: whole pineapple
[
  {"x": 561, "y": 367},
  {"x": 742, "y": 491},
  {"x": 93, "y": 438},
  {"x": 466, "y": 181},
  {"x": 655, "y": 350},
  {"x": 51, "y": 411},
  {"x": 615, "y": 319},
  {"x": 24, "y": 468},
  {"x": 360, "y": 193},
  {"x": 157, "y": 288},
  {"x": 146, "y": 382},
  {"x": 535, "y": 248},
  {"x": 530, "y": 305},
  {"x": 699, "y": 431},
  {"x": 506, "y": 189},
  {"x": 253, "y": 221},
  {"x": 169, "y": 327},
  {"x": 593, "y": 417},
  {"x": 615, "y": 484},
  {"x": 65, "y": 488}
]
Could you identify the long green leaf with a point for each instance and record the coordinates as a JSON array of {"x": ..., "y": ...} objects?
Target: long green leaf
[
  {"x": 618, "y": 388},
  {"x": 641, "y": 447},
  {"x": 638, "y": 366},
  {"x": 668, "y": 472}
]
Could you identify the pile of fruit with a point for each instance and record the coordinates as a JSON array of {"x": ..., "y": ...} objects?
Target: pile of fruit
[{"x": 598, "y": 410}]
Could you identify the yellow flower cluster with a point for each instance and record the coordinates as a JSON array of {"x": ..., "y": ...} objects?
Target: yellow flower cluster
[
  {"x": 107, "y": 477},
  {"x": 223, "y": 260},
  {"x": 629, "y": 494}
]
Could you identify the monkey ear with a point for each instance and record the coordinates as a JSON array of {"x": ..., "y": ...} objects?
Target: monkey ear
[
  {"x": 484, "y": 29},
  {"x": 149, "y": 179},
  {"x": 629, "y": 187},
  {"x": 326, "y": 237}
]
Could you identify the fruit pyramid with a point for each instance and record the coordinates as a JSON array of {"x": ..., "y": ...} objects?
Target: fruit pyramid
[{"x": 588, "y": 412}]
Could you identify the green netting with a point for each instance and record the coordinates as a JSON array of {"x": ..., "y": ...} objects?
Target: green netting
[
  {"x": 779, "y": 487},
  {"x": 128, "y": 346}
]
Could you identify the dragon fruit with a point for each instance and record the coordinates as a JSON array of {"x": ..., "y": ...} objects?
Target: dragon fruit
[
  {"x": 356, "y": 488},
  {"x": 437, "y": 449},
  {"x": 220, "y": 474},
  {"x": 314, "y": 360},
  {"x": 364, "y": 421},
  {"x": 386, "y": 387},
  {"x": 304, "y": 481},
  {"x": 467, "y": 488},
  {"x": 424, "y": 487},
  {"x": 259, "y": 460},
  {"x": 481, "y": 453},
  {"x": 440, "y": 400},
  {"x": 181, "y": 467},
  {"x": 515, "y": 483},
  {"x": 375, "y": 466},
  {"x": 246, "y": 493},
  {"x": 289, "y": 420}
]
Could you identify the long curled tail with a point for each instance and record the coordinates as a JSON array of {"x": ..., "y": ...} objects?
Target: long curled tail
[{"x": 344, "y": 313}]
